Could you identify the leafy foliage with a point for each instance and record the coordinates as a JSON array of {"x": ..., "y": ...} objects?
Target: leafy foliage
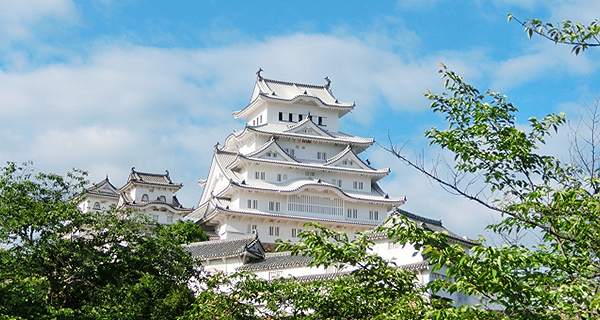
[
  {"x": 575, "y": 34},
  {"x": 63, "y": 263}
]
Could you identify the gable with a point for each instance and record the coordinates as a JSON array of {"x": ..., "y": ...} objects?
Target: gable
[
  {"x": 271, "y": 151},
  {"x": 347, "y": 159},
  {"x": 308, "y": 127}
]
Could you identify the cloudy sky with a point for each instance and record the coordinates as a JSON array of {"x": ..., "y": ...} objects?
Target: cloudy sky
[{"x": 106, "y": 85}]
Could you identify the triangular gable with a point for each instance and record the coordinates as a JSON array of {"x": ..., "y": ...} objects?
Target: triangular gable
[
  {"x": 347, "y": 158},
  {"x": 104, "y": 187},
  {"x": 308, "y": 127},
  {"x": 271, "y": 151}
]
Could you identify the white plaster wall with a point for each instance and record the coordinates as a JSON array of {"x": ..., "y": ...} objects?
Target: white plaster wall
[
  {"x": 330, "y": 122},
  {"x": 88, "y": 204},
  {"x": 227, "y": 265},
  {"x": 154, "y": 194},
  {"x": 398, "y": 254}
]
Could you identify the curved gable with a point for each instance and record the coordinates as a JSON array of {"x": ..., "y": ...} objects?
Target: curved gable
[{"x": 347, "y": 158}]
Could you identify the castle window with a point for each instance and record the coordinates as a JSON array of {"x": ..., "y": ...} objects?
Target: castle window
[
  {"x": 155, "y": 217},
  {"x": 373, "y": 215},
  {"x": 281, "y": 177},
  {"x": 281, "y": 116},
  {"x": 259, "y": 175},
  {"x": 337, "y": 182},
  {"x": 290, "y": 117},
  {"x": 357, "y": 185},
  {"x": 313, "y": 204},
  {"x": 144, "y": 197},
  {"x": 351, "y": 213},
  {"x": 151, "y": 190},
  {"x": 274, "y": 231},
  {"x": 321, "y": 155},
  {"x": 169, "y": 219},
  {"x": 252, "y": 204},
  {"x": 321, "y": 120},
  {"x": 296, "y": 232},
  {"x": 162, "y": 198},
  {"x": 97, "y": 205},
  {"x": 309, "y": 174},
  {"x": 274, "y": 206},
  {"x": 275, "y": 274},
  {"x": 299, "y": 117}
]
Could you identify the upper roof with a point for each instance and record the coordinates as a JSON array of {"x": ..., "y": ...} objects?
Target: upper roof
[
  {"x": 277, "y": 260},
  {"x": 104, "y": 188},
  {"x": 248, "y": 246},
  {"x": 359, "y": 144},
  {"x": 267, "y": 89},
  {"x": 156, "y": 179}
]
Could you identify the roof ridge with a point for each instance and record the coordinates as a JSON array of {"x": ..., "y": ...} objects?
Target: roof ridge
[
  {"x": 294, "y": 83},
  {"x": 418, "y": 217},
  {"x": 248, "y": 237}
]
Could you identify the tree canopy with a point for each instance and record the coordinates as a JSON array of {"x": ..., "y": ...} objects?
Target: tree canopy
[{"x": 59, "y": 262}]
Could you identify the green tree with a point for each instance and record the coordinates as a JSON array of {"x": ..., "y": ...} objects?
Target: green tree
[{"x": 63, "y": 263}]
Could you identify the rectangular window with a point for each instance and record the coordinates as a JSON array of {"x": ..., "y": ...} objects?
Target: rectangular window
[
  {"x": 352, "y": 213},
  {"x": 274, "y": 206},
  {"x": 321, "y": 155},
  {"x": 155, "y": 217},
  {"x": 274, "y": 231},
  {"x": 252, "y": 204},
  {"x": 151, "y": 190},
  {"x": 275, "y": 274},
  {"x": 296, "y": 232},
  {"x": 279, "y": 177},
  {"x": 281, "y": 116},
  {"x": 309, "y": 174},
  {"x": 357, "y": 185},
  {"x": 299, "y": 117},
  {"x": 373, "y": 215},
  {"x": 169, "y": 219},
  {"x": 321, "y": 120},
  {"x": 259, "y": 175},
  {"x": 310, "y": 117},
  {"x": 336, "y": 182},
  {"x": 290, "y": 117},
  {"x": 313, "y": 204}
]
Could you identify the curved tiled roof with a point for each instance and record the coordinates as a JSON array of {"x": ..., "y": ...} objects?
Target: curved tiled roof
[
  {"x": 103, "y": 188},
  {"x": 427, "y": 223},
  {"x": 277, "y": 260},
  {"x": 290, "y": 91},
  {"x": 218, "y": 249},
  {"x": 151, "y": 178}
]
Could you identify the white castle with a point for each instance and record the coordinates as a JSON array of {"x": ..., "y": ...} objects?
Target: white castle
[{"x": 291, "y": 165}]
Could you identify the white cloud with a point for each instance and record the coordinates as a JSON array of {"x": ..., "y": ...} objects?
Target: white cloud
[{"x": 17, "y": 18}]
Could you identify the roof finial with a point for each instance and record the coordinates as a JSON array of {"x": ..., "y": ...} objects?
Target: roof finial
[
  {"x": 258, "y": 73},
  {"x": 167, "y": 171},
  {"x": 217, "y": 145},
  {"x": 132, "y": 169},
  {"x": 106, "y": 177},
  {"x": 328, "y": 82}
]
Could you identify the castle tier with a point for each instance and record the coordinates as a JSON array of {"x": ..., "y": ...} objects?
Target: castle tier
[{"x": 291, "y": 165}]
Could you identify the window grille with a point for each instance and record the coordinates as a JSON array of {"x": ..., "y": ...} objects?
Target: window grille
[{"x": 314, "y": 204}]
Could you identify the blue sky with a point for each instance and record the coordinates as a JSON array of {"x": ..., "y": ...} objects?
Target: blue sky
[{"x": 106, "y": 85}]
